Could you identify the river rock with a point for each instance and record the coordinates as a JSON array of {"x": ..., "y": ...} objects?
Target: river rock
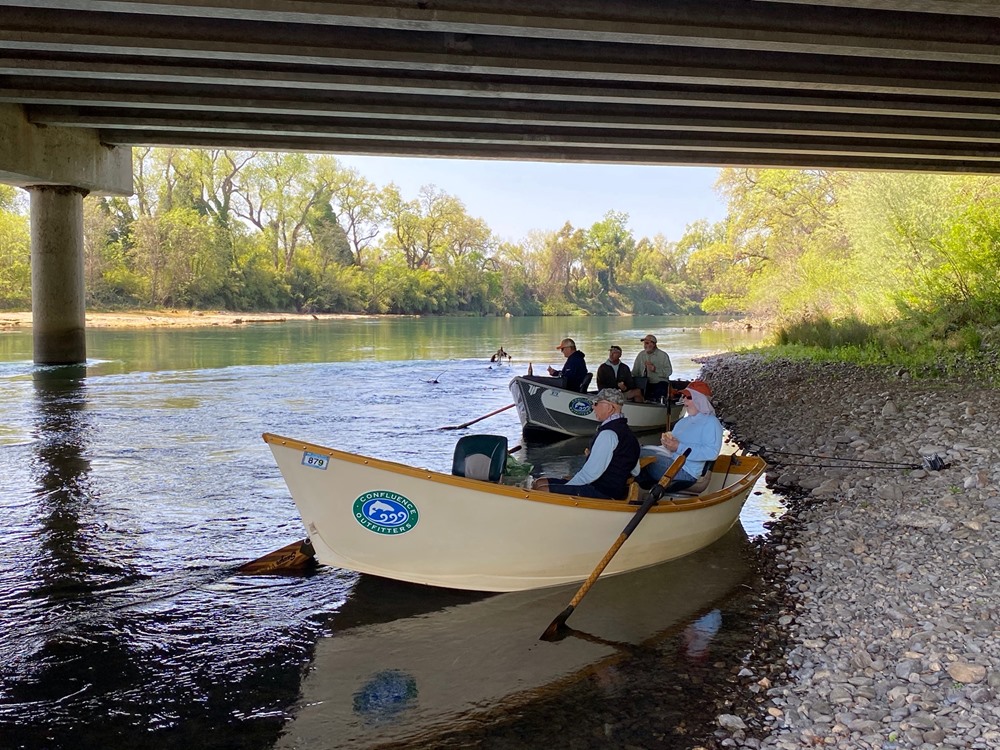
[{"x": 884, "y": 633}]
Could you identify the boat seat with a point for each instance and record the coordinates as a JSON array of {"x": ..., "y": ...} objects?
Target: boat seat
[
  {"x": 633, "y": 492},
  {"x": 585, "y": 383},
  {"x": 480, "y": 457},
  {"x": 701, "y": 485}
]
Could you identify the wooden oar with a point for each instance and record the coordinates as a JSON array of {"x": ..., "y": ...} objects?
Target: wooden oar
[
  {"x": 477, "y": 419},
  {"x": 552, "y": 631},
  {"x": 292, "y": 558}
]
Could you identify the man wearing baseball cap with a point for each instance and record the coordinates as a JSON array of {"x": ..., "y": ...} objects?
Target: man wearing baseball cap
[
  {"x": 613, "y": 458},
  {"x": 654, "y": 364},
  {"x": 616, "y": 374},
  {"x": 700, "y": 430}
]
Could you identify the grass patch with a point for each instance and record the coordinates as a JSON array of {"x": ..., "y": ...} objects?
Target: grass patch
[{"x": 951, "y": 343}]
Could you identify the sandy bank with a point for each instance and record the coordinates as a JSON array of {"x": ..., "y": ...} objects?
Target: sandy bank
[{"x": 174, "y": 318}]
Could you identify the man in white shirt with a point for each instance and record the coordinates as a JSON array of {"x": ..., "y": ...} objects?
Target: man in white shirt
[{"x": 613, "y": 458}]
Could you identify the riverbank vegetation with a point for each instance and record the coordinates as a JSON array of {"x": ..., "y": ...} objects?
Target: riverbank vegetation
[{"x": 876, "y": 266}]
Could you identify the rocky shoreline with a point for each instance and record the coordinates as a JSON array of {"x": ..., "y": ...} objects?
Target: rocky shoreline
[{"x": 883, "y": 630}]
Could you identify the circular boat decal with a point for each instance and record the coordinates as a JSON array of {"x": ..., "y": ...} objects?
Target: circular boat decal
[
  {"x": 385, "y": 512},
  {"x": 582, "y": 407}
]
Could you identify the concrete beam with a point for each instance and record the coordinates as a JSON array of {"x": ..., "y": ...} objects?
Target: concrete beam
[{"x": 32, "y": 155}]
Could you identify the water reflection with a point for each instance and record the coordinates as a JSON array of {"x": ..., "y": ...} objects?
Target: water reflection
[
  {"x": 457, "y": 667},
  {"x": 131, "y": 492}
]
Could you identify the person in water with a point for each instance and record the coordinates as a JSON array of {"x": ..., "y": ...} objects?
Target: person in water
[{"x": 613, "y": 457}]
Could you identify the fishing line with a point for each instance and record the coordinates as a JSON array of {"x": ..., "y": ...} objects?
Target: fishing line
[{"x": 929, "y": 463}]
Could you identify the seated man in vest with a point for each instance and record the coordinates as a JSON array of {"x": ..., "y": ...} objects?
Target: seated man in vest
[
  {"x": 615, "y": 374},
  {"x": 613, "y": 458}
]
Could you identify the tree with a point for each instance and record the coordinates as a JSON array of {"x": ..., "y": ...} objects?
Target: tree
[
  {"x": 15, "y": 251},
  {"x": 277, "y": 193},
  {"x": 355, "y": 202},
  {"x": 606, "y": 246}
]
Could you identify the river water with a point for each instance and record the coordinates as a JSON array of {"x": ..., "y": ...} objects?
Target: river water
[{"x": 132, "y": 487}]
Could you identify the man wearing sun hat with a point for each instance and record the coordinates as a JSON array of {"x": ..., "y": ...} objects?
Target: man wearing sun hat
[
  {"x": 573, "y": 372},
  {"x": 700, "y": 430},
  {"x": 654, "y": 364},
  {"x": 613, "y": 457}
]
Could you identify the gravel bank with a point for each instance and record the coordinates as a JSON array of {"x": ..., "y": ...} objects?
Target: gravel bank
[{"x": 885, "y": 628}]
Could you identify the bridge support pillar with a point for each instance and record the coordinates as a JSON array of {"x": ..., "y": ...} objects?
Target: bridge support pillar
[{"x": 57, "y": 280}]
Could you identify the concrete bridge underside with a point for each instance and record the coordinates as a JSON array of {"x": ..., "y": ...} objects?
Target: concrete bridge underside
[{"x": 856, "y": 84}]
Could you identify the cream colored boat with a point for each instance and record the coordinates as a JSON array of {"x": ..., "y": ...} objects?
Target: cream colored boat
[{"x": 422, "y": 526}]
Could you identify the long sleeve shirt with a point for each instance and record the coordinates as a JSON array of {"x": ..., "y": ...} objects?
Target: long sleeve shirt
[
  {"x": 609, "y": 375},
  {"x": 702, "y": 433},
  {"x": 660, "y": 361},
  {"x": 574, "y": 370},
  {"x": 600, "y": 457}
]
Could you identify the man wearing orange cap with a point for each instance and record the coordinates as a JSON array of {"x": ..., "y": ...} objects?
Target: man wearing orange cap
[{"x": 700, "y": 430}]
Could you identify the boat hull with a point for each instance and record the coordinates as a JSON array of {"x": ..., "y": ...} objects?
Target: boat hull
[
  {"x": 571, "y": 413},
  {"x": 416, "y": 525}
]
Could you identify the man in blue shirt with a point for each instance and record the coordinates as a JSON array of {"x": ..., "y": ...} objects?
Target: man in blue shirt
[
  {"x": 572, "y": 373},
  {"x": 614, "y": 455},
  {"x": 700, "y": 430}
]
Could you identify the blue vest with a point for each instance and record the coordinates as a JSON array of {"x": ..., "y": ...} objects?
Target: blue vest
[{"x": 614, "y": 481}]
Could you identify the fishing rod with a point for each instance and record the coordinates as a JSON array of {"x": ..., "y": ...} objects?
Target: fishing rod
[{"x": 928, "y": 463}]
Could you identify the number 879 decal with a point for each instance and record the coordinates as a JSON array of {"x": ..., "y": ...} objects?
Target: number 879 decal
[{"x": 315, "y": 460}]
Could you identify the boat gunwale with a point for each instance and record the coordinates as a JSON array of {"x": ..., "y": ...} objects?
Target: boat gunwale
[
  {"x": 668, "y": 504},
  {"x": 593, "y": 394}
]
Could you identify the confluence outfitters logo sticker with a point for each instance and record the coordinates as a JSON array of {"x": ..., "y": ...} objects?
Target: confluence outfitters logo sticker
[
  {"x": 385, "y": 512},
  {"x": 581, "y": 407}
]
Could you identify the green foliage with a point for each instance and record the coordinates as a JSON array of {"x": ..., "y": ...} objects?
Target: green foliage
[
  {"x": 247, "y": 230},
  {"x": 822, "y": 332},
  {"x": 15, "y": 269}
]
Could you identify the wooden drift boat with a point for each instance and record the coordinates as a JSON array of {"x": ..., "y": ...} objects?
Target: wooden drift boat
[
  {"x": 571, "y": 413},
  {"x": 423, "y": 526}
]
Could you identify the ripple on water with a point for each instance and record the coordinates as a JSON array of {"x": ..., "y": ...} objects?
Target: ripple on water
[{"x": 130, "y": 498}]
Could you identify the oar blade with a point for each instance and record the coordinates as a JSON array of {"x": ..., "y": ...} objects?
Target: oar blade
[
  {"x": 296, "y": 558},
  {"x": 557, "y": 629}
]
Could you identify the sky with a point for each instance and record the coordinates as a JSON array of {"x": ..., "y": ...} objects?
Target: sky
[{"x": 514, "y": 197}]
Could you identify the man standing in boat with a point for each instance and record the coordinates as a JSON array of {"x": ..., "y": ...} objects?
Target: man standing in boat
[
  {"x": 572, "y": 373},
  {"x": 654, "y": 364},
  {"x": 613, "y": 458}
]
